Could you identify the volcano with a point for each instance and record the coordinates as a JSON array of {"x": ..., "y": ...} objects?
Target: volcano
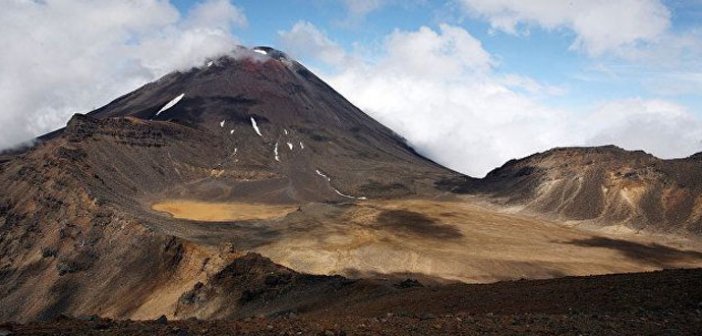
[
  {"x": 269, "y": 129},
  {"x": 247, "y": 186}
]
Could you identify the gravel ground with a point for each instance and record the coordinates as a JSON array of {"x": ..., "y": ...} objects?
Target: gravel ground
[{"x": 657, "y": 303}]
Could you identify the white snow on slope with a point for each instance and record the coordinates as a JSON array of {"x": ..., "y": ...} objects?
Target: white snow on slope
[
  {"x": 262, "y": 52},
  {"x": 290, "y": 146},
  {"x": 209, "y": 64},
  {"x": 275, "y": 151},
  {"x": 286, "y": 131},
  {"x": 348, "y": 196},
  {"x": 337, "y": 190},
  {"x": 255, "y": 126},
  {"x": 322, "y": 175},
  {"x": 231, "y": 132},
  {"x": 222, "y": 123},
  {"x": 301, "y": 145},
  {"x": 171, "y": 103}
]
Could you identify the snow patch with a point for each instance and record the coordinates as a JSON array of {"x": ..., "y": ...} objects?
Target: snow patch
[
  {"x": 262, "y": 52},
  {"x": 275, "y": 151},
  {"x": 286, "y": 131},
  {"x": 290, "y": 146},
  {"x": 301, "y": 145},
  {"x": 255, "y": 126},
  {"x": 209, "y": 64},
  {"x": 171, "y": 103},
  {"x": 349, "y": 196},
  {"x": 337, "y": 190},
  {"x": 342, "y": 194},
  {"x": 222, "y": 123},
  {"x": 231, "y": 132},
  {"x": 322, "y": 175}
]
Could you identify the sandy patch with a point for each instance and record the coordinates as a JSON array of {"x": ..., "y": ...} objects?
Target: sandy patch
[
  {"x": 467, "y": 242},
  {"x": 221, "y": 212}
]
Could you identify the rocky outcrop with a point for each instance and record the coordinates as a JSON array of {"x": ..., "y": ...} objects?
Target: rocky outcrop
[{"x": 606, "y": 185}]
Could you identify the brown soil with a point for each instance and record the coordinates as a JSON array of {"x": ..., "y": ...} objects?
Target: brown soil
[
  {"x": 461, "y": 241},
  {"x": 221, "y": 212},
  {"x": 658, "y": 303}
]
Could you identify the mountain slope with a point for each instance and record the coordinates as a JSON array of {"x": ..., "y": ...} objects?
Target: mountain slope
[
  {"x": 606, "y": 185},
  {"x": 77, "y": 230},
  {"x": 272, "y": 117},
  {"x": 154, "y": 197}
]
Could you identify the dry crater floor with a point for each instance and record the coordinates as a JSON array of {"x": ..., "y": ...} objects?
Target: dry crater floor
[
  {"x": 222, "y": 211},
  {"x": 461, "y": 240}
]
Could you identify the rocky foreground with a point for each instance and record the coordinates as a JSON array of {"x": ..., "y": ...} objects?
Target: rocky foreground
[{"x": 658, "y": 303}]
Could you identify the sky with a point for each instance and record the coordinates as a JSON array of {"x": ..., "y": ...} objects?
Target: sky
[{"x": 469, "y": 83}]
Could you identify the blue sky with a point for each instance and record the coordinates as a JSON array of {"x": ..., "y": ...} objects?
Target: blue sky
[
  {"x": 542, "y": 54},
  {"x": 469, "y": 83}
]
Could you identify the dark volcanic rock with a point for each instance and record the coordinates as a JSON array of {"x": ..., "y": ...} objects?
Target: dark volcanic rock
[
  {"x": 255, "y": 286},
  {"x": 657, "y": 303},
  {"x": 309, "y": 125},
  {"x": 409, "y": 283}
]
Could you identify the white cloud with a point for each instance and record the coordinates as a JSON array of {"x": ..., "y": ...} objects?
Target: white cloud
[
  {"x": 305, "y": 40},
  {"x": 531, "y": 86},
  {"x": 669, "y": 67},
  {"x": 72, "y": 56},
  {"x": 469, "y": 124},
  {"x": 220, "y": 14},
  {"x": 662, "y": 128},
  {"x": 599, "y": 25},
  {"x": 357, "y": 10},
  {"x": 449, "y": 104},
  {"x": 433, "y": 86},
  {"x": 450, "y": 51},
  {"x": 363, "y": 7},
  {"x": 632, "y": 39}
]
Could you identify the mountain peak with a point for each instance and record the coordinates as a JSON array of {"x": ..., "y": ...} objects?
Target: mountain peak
[
  {"x": 272, "y": 53},
  {"x": 258, "y": 114}
]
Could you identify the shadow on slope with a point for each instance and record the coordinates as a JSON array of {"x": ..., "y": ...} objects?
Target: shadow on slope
[
  {"x": 653, "y": 254},
  {"x": 415, "y": 223}
]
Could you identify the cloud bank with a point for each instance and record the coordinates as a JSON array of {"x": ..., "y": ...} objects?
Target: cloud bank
[
  {"x": 437, "y": 86},
  {"x": 599, "y": 25},
  {"x": 439, "y": 89},
  {"x": 65, "y": 57}
]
